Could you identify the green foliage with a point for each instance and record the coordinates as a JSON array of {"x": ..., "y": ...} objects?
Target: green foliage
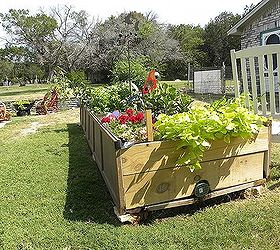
[
  {"x": 22, "y": 104},
  {"x": 175, "y": 69},
  {"x": 77, "y": 81},
  {"x": 167, "y": 100},
  {"x": 28, "y": 28},
  {"x": 197, "y": 128},
  {"x": 17, "y": 65},
  {"x": 6, "y": 70},
  {"x": 146, "y": 29},
  {"x": 191, "y": 40},
  {"x": 138, "y": 72},
  {"x": 107, "y": 99},
  {"x": 217, "y": 44}
]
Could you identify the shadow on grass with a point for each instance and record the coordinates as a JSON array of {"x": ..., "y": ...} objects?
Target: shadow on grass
[
  {"x": 87, "y": 198},
  {"x": 274, "y": 175},
  {"x": 190, "y": 210}
]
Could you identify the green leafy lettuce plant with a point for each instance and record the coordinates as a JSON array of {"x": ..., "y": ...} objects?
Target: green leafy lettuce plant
[
  {"x": 195, "y": 130},
  {"x": 107, "y": 98},
  {"x": 166, "y": 99}
]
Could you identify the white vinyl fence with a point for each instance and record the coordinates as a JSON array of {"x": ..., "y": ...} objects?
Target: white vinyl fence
[
  {"x": 209, "y": 81},
  {"x": 259, "y": 71}
]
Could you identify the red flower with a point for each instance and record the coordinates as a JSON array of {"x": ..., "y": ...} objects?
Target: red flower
[
  {"x": 105, "y": 119},
  {"x": 133, "y": 119},
  {"x": 139, "y": 116},
  {"x": 130, "y": 112},
  {"x": 123, "y": 119},
  {"x": 108, "y": 118}
]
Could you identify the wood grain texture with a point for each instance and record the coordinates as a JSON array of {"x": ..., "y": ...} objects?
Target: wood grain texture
[
  {"x": 189, "y": 201},
  {"x": 109, "y": 160},
  {"x": 98, "y": 146},
  {"x": 149, "y": 125},
  {"x": 146, "y": 157},
  {"x": 145, "y": 174},
  {"x": 170, "y": 184}
]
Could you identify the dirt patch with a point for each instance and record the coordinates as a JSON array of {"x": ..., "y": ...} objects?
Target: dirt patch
[
  {"x": 2, "y": 124},
  {"x": 32, "y": 129}
]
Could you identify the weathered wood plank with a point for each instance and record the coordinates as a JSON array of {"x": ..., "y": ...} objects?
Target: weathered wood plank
[
  {"x": 267, "y": 154},
  {"x": 98, "y": 146},
  {"x": 163, "y": 154},
  {"x": 149, "y": 125},
  {"x": 189, "y": 201},
  {"x": 110, "y": 170},
  {"x": 278, "y": 79},
  {"x": 171, "y": 184}
]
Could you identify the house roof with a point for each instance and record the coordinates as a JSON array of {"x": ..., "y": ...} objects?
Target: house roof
[{"x": 236, "y": 29}]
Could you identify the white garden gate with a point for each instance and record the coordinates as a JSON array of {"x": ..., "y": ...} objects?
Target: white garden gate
[
  {"x": 256, "y": 73},
  {"x": 208, "y": 81}
]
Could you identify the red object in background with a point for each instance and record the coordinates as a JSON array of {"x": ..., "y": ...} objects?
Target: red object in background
[
  {"x": 130, "y": 115},
  {"x": 151, "y": 82}
]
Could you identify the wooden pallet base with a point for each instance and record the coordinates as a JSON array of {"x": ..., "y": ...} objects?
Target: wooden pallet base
[{"x": 134, "y": 216}]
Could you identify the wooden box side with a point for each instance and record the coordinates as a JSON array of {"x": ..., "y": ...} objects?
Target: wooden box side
[
  {"x": 105, "y": 155},
  {"x": 82, "y": 117},
  {"x": 111, "y": 171},
  {"x": 152, "y": 156},
  {"x": 169, "y": 184},
  {"x": 91, "y": 133}
]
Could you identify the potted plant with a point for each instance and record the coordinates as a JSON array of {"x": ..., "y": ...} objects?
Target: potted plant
[{"x": 23, "y": 107}]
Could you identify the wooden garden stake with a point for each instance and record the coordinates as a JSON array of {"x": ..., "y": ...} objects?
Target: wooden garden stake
[{"x": 149, "y": 125}]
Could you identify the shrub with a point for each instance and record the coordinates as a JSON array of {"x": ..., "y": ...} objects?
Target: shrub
[{"x": 138, "y": 75}]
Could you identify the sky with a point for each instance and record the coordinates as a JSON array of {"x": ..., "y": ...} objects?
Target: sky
[{"x": 173, "y": 12}]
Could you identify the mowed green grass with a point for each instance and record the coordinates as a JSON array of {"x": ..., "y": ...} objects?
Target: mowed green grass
[
  {"x": 53, "y": 197},
  {"x": 28, "y": 92},
  {"x": 178, "y": 84}
]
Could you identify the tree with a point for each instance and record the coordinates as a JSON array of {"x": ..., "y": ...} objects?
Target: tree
[
  {"x": 74, "y": 33},
  {"x": 6, "y": 70},
  {"x": 138, "y": 72},
  {"x": 191, "y": 40},
  {"x": 130, "y": 36},
  {"x": 248, "y": 8},
  {"x": 22, "y": 64},
  {"x": 217, "y": 44},
  {"x": 36, "y": 33},
  {"x": 57, "y": 39}
]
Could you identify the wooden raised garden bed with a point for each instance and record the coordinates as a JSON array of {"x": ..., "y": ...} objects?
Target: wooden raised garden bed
[{"x": 144, "y": 176}]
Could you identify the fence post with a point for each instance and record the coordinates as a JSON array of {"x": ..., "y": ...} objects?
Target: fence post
[{"x": 234, "y": 73}]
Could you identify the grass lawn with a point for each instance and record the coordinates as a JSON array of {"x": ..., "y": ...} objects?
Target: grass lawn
[
  {"x": 28, "y": 92},
  {"x": 53, "y": 197},
  {"x": 177, "y": 84}
]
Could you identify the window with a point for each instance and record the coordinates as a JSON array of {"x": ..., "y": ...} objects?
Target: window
[{"x": 267, "y": 39}]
